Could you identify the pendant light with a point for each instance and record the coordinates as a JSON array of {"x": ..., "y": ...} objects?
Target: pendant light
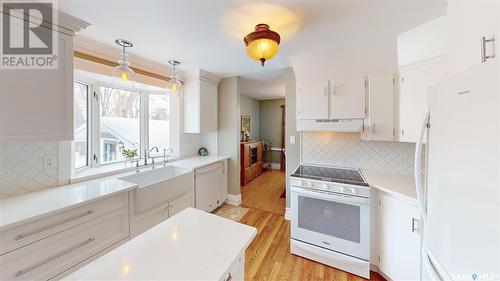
[
  {"x": 176, "y": 83},
  {"x": 123, "y": 70},
  {"x": 262, "y": 44}
]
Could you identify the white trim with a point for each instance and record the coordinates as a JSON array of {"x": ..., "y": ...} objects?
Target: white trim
[
  {"x": 288, "y": 215},
  {"x": 275, "y": 166},
  {"x": 233, "y": 199}
]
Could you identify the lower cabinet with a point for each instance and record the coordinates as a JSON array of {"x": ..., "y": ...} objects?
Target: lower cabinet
[
  {"x": 399, "y": 239},
  {"x": 54, "y": 256},
  {"x": 237, "y": 270},
  {"x": 140, "y": 222}
]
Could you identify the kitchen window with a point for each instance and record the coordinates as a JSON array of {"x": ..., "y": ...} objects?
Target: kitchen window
[
  {"x": 115, "y": 124},
  {"x": 81, "y": 111}
]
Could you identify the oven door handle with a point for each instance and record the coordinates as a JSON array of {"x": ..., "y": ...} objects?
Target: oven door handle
[{"x": 330, "y": 196}]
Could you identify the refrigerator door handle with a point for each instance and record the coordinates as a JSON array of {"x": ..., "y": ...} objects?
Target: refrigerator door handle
[
  {"x": 428, "y": 267},
  {"x": 433, "y": 267},
  {"x": 418, "y": 165}
]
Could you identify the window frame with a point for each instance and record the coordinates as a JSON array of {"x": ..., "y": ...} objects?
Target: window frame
[
  {"x": 93, "y": 123},
  {"x": 89, "y": 129}
]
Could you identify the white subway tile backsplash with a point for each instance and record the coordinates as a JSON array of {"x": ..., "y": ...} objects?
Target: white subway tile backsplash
[
  {"x": 349, "y": 150},
  {"x": 22, "y": 167}
]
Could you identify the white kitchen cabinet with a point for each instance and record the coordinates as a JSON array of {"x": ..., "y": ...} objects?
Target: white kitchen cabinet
[
  {"x": 180, "y": 203},
  {"x": 209, "y": 183},
  {"x": 142, "y": 221},
  {"x": 347, "y": 98},
  {"x": 399, "y": 239},
  {"x": 62, "y": 242},
  {"x": 200, "y": 106},
  {"x": 313, "y": 100},
  {"x": 414, "y": 82},
  {"x": 37, "y": 105},
  {"x": 468, "y": 22},
  {"x": 379, "y": 121},
  {"x": 424, "y": 42}
]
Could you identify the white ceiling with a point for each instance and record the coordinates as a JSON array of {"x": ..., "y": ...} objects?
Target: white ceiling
[
  {"x": 264, "y": 85},
  {"x": 208, "y": 34}
]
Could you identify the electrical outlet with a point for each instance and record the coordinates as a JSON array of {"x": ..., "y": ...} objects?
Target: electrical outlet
[
  {"x": 292, "y": 139},
  {"x": 49, "y": 162}
]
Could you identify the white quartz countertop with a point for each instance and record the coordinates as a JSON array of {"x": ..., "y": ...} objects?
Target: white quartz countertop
[
  {"x": 198, "y": 161},
  {"x": 30, "y": 206},
  {"x": 400, "y": 186},
  {"x": 192, "y": 245},
  {"x": 23, "y": 208}
]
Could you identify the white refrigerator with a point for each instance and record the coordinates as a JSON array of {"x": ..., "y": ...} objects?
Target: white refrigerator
[{"x": 459, "y": 192}]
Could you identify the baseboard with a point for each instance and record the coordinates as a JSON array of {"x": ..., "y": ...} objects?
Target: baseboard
[
  {"x": 234, "y": 200},
  {"x": 287, "y": 214},
  {"x": 275, "y": 166}
]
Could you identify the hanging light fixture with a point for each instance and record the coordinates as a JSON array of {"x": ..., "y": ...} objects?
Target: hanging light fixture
[
  {"x": 123, "y": 70},
  {"x": 176, "y": 83},
  {"x": 262, "y": 44}
]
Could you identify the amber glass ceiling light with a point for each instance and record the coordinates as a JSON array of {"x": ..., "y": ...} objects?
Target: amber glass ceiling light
[
  {"x": 262, "y": 44},
  {"x": 176, "y": 83},
  {"x": 123, "y": 70}
]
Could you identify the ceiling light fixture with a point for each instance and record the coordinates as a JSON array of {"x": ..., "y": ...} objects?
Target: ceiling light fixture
[
  {"x": 262, "y": 44},
  {"x": 176, "y": 83},
  {"x": 123, "y": 70}
]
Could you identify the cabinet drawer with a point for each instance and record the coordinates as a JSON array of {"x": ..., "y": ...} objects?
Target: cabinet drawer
[
  {"x": 52, "y": 256},
  {"x": 28, "y": 233}
]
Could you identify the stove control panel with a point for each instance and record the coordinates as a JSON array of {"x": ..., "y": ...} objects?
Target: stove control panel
[{"x": 361, "y": 191}]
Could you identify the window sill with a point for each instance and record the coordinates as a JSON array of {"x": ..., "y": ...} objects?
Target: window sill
[{"x": 109, "y": 170}]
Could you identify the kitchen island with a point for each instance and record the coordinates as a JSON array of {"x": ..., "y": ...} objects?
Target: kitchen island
[{"x": 192, "y": 245}]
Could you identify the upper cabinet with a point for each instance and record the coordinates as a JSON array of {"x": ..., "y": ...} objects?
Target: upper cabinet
[
  {"x": 379, "y": 121},
  {"x": 313, "y": 100},
  {"x": 348, "y": 97},
  {"x": 37, "y": 104},
  {"x": 422, "y": 60},
  {"x": 422, "y": 43},
  {"x": 331, "y": 105},
  {"x": 471, "y": 25},
  {"x": 200, "y": 106},
  {"x": 414, "y": 82}
]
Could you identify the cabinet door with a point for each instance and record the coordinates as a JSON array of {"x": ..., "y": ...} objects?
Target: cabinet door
[
  {"x": 468, "y": 21},
  {"x": 208, "y": 107},
  {"x": 180, "y": 204},
  {"x": 312, "y": 100},
  {"x": 37, "y": 105},
  {"x": 348, "y": 98},
  {"x": 380, "y": 122},
  {"x": 208, "y": 187},
  {"x": 413, "y": 97},
  {"x": 399, "y": 239}
]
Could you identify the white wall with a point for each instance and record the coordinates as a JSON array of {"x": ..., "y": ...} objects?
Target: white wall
[
  {"x": 229, "y": 130},
  {"x": 292, "y": 150}
]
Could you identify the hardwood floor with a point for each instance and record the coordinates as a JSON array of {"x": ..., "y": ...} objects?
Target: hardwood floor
[
  {"x": 268, "y": 256},
  {"x": 264, "y": 192}
]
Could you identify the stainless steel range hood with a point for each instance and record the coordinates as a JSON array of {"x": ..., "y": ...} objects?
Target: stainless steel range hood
[{"x": 331, "y": 125}]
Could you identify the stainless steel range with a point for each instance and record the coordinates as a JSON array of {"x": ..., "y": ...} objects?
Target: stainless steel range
[{"x": 330, "y": 213}]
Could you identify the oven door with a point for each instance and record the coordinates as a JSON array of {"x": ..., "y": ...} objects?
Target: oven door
[{"x": 332, "y": 221}]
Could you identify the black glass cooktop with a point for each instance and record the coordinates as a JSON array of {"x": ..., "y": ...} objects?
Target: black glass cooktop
[{"x": 340, "y": 175}]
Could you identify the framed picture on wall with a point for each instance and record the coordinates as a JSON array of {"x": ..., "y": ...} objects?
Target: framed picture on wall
[{"x": 246, "y": 126}]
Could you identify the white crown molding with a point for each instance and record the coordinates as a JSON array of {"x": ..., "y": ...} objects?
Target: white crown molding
[
  {"x": 201, "y": 75},
  {"x": 65, "y": 23}
]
